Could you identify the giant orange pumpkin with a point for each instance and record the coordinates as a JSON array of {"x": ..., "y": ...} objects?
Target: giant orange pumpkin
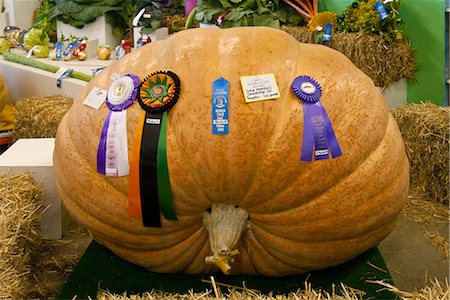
[{"x": 244, "y": 201}]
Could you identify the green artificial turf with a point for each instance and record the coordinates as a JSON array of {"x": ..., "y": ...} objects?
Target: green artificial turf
[{"x": 99, "y": 268}]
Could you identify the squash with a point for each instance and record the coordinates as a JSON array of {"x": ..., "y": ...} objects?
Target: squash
[
  {"x": 3, "y": 93},
  {"x": 245, "y": 202}
]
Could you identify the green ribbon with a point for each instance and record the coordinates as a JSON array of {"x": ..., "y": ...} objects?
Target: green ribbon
[{"x": 164, "y": 191}]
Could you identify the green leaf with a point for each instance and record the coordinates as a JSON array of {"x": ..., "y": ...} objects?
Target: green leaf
[
  {"x": 227, "y": 4},
  {"x": 235, "y": 15},
  {"x": 265, "y": 20},
  {"x": 155, "y": 24},
  {"x": 281, "y": 14},
  {"x": 244, "y": 21}
]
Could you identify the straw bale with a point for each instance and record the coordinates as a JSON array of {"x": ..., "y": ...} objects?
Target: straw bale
[
  {"x": 53, "y": 262},
  {"x": 384, "y": 62},
  {"x": 425, "y": 131},
  {"x": 19, "y": 222},
  {"x": 424, "y": 211},
  {"x": 308, "y": 293},
  {"x": 39, "y": 117},
  {"x": 435, "y": 290},
  {"x": 440, "y": 242}
]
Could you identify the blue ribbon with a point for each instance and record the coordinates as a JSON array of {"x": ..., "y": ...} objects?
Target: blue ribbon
[
  {"x": 66, "y": 74},
  {"x": 379, "y": 7},
  {"x": 220, "y": 106},
  {"x": 318, "y": 133}
]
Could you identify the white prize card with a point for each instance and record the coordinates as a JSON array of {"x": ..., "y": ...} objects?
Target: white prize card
[
  {"x": 95, "y": 98},
  {"x": 259, "y": 87}
]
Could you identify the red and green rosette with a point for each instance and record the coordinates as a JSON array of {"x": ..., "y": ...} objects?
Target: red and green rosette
[{"x": 149, "y": 185}]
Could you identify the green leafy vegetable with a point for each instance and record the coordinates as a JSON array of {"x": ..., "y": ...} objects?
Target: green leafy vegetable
[
  {"x": 232, "y": 13},
  {"x": 41, "y": 51},
  {"x": 4, "y": 45},
  {"x": 35, "y": 37},
  {"x": 81, "y": 12}
]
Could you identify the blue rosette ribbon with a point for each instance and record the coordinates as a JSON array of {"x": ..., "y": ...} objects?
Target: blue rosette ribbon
[
  {"x": 112, "y": 153},
  {"x": 318, "y": 134}
]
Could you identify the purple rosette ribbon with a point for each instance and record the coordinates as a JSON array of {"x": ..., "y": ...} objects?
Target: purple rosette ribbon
[
  {"x": 318, "y": 134},
  {"x": 112, "y": 153}
]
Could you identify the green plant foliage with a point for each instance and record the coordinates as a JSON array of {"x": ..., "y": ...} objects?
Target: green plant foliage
[
  {"x": 157, "y": 9},
  {"x": 233, "y": 13},
  {"x": 81, "y": 12},
  {"x": 361, "y": 16},
  {"x": 41, "y": 21}
]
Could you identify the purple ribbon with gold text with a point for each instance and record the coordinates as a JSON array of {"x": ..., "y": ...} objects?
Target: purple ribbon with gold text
[
  {"x": 318, "y": 134},
  {"x": 112, "y": 154}
]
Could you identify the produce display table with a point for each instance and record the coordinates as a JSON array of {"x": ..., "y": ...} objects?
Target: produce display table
[
  {"x": 99, "y": 268},
  {"x": 24, "y": 81}
]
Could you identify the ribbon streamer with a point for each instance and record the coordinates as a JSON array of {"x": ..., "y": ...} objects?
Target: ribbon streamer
[
  {"x": 59, "y": 80},
  {"x": 318, "y": 133},
  {"x": 112, "y": 154},
  {"x": 149, "y": 184}
]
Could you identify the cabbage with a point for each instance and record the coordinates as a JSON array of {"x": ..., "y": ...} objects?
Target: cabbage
[
  {"x": 41, "y": 51},
  {"x": 35, "y": 37},
  {"x": 4, "y": 45}
]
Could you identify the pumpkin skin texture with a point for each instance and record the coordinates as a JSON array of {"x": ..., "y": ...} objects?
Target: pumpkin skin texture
[{"x": 301, "y": 216}]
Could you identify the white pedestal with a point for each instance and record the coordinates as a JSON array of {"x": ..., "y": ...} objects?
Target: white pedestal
[
  {"x": 36, "y": 156},
  {"x": 4, "y": 20},
  {"x": 21, "y": 12},
  {"x": 204, "y": 25},
  {"x": 99, "y": 29},
  {"x": 396, "y": 94},
  {"x": 157, "y": 35}
]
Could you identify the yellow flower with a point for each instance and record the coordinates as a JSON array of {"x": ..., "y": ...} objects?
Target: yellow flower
[{"x": 321, "y": 19}]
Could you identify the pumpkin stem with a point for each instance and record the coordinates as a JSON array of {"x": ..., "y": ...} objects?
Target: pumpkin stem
[{"x": 225, "y": 224}]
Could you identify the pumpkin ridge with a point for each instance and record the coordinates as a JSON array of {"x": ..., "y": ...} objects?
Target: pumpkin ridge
[
  {"x": 274, "y": 138},
  {"x": 123, "y": 235},
  {"x": 386, "y": 219},
  {"x": 262, "y": 264},
  {"x": 267, "y": 146},
  {"x": 275, "y": 251},
  {"x": 189, "y": 167},
  {"x": 317, "y": 249},
  {"x": 163, "y": 261},
  {"x": 331, "y": 184}
]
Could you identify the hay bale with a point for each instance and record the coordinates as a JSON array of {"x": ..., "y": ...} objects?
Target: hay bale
[
  {"x": 433, "y": 291},
  {"x": 425, "y": 130},
  {"x": 39, "y": 117},
  {"x": 385, "y": 63},
  {"x": 424, "y": 211},
  {"x": 346, "y": 293},
  {"x": 19, "y": 223}
]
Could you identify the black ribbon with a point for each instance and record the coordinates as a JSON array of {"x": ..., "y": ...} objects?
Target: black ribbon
[{"x": 148, "y": 171}]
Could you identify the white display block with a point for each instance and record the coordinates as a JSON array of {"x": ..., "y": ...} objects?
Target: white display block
[
  {"x": 204, "y": 25},
  {"x": 99, "y": 29},
  {"x": 157, "y": 35},
  {"x": 21, "y": 12},
  {"x": 396, "y": 94},
  {"x": 4, "y": 20},
  {"x": 36, "y": 156}
]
